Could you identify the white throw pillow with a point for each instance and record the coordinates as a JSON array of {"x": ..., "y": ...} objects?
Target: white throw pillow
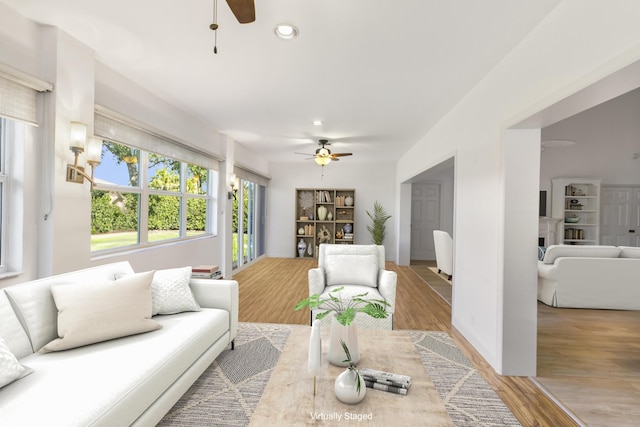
[
  {"x": 170, "y": 291},
  {"x": 351, "y": 270},
  {"x": 10, "y": 368},
  {"x": 91, "y": 313}
]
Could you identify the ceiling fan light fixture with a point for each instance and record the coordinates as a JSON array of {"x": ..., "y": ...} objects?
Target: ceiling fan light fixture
[
  {"x": 323, "y": 161},
  {"x": 286, "y": 31},
  {"x": 323, "y": 152}
]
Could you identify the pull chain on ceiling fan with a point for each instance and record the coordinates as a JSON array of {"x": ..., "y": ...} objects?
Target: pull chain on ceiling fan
[{"x": 244, "y": 11}]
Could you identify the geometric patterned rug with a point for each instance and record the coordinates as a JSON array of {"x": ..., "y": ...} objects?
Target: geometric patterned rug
[{"x": 229, "y": 390}]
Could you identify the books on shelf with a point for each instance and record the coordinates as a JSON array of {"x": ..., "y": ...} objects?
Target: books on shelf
[
  {"x": 386, "y": 381},
  {"x": 206, "y": 272},
  {"x": 323, "y": 196}
]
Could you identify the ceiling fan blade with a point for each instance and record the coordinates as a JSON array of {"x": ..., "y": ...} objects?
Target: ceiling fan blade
[
  {"x": 244, "y": 10},
  {"x": 304, "y": 154},
  {"x": 341, "y": 154}
]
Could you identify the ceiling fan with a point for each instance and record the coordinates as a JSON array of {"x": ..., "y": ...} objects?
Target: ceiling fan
[
  {"x": 323, "y": 156},
  {"x": 244, "y": 11}
]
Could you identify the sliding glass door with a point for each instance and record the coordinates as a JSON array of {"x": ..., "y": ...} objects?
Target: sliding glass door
[{"x": 249, "y": 211}]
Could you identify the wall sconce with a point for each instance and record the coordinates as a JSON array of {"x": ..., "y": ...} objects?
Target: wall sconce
[
  {"x": 77, "y": 144},
  {"x": 233, "y": 186}
]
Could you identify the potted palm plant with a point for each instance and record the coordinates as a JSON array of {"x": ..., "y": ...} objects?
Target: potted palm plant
[
  {"x": 344, "y": 310},
  {"x": 378, "y": 218}
]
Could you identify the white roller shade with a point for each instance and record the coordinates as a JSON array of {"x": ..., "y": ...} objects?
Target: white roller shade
[
  {"x": 19, "y": 95},
  {"x": 248, "y": 175},
  {"x": 111, "y": 126}
]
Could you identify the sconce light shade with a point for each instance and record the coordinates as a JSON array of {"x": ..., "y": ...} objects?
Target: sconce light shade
[
  {"x": 78, "y": 137},
  {"x": 233, "y": 186},
  {"x": 94, "y": 151}
]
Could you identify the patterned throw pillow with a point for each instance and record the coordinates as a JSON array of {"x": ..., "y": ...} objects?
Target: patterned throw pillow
[
  {"x": 10, "y": 368},
  {"x": 541, "y": 251},
  {"x": 170, "y": 292}
]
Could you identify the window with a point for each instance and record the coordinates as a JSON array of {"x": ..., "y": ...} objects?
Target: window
[{"x": 144, "y": 198}]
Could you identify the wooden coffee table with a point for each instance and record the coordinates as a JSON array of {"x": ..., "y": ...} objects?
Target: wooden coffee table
[{"x": 288, "y": 399}]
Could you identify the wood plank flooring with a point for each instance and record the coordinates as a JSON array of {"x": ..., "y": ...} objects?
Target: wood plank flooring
[{"x": 270, "y": 288}]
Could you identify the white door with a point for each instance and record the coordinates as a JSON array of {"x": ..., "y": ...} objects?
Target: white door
[
  {"x": 425, "y": 217},
  {"x": 620, "y": 216}
]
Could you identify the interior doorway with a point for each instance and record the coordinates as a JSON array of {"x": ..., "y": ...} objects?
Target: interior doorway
[{"x": 425, "y": 217}]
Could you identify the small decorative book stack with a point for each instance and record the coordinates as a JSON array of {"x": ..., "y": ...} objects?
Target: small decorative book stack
[{"x": 206, "y": 272}]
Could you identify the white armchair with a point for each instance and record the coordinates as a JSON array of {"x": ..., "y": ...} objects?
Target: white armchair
[
  {"x": 360, "y": 269},
  {"x": 443, "y": 244}
]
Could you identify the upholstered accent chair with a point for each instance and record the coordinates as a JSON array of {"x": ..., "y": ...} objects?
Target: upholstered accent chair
[
  {"x": 443, "y": 244},
  {"x": 360, "y": 269}
]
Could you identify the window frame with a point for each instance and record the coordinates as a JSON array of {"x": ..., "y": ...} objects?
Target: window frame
[{"x": 144, "y": 191}]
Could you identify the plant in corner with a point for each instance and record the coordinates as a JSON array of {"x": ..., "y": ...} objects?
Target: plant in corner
[{"x": 379, "y": 217}]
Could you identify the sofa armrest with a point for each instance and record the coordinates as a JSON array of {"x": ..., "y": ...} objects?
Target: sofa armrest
[
  {"x": 316, "y": 281},
  {"x": 387, "y": 287},
  {"x": 222, "y": 294}
]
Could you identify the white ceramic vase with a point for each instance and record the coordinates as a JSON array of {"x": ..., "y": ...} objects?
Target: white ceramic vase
[
  {"x": 322, "y": 213},
  {"x": 348, "y": 334},
  {"x": 346, "y": 387},
  {"x": 348, "y": 201}
]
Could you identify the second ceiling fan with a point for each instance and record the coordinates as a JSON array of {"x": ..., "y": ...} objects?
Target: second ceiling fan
[{"x": 323, "y": 155}]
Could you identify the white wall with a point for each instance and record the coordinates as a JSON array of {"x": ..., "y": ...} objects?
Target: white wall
[
  {"x": 576, "y": 45},
  {"x": 56, "y": 214},
  {"x": 372, "y": 181},
  {"x": 606, "y": 137}
]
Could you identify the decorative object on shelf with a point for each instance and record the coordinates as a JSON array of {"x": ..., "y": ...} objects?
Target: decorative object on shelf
[
  {"x": 301, "y": 230},
  {"x": 378, "y": 228},
  {"x": 344, "y": 312},
  {"x": 310, "y": 250},
  {"x": 572, "y": 219},
  {"x": 324, "y": 235},
  {"x": 349, "y": 384},
  {"x": 348, "y": 201},
  {"x": 322, "y": 213},
  {"x": 339, "y": 234},
  {"x": 302, "y": 247},
  {"x": 348, "y": 228},
  {"x": 311, "y": 217},
  {"x": 329, "y": 216}
]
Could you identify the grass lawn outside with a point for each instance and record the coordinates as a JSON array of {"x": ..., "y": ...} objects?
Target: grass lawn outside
[{"x": 101, "y": 242}]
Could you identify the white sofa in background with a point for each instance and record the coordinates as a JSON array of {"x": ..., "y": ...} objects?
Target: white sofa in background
[
  {"x": 360, "y": 269},
  {"x": 133, "y": 380},
  {"x": 443, "y": 245},
  {"x": 590, "y": 276}
]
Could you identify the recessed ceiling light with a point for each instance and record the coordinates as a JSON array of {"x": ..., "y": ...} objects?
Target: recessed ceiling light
[
  {"x": 317, "y": 122},
  {"x": 286, "y": 31}
]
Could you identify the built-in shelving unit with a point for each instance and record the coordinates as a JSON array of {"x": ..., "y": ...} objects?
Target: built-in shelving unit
[
  {"x": 577, "y": 202},
  {"x": 323, "y": 215}
]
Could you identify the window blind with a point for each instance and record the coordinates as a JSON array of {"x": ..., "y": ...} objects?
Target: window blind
[
  {"x": 248, "y": 175},
  {"x": 19, "y": 95},
  {"x": 112, "y": 127}
]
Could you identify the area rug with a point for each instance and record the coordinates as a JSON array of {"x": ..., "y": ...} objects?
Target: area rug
[
  {"x": 436, "y": 281},
  {"x": 228, "y": 392}
]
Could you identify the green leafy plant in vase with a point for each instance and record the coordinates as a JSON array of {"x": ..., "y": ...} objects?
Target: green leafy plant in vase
[{"x": 344, "y": 312}]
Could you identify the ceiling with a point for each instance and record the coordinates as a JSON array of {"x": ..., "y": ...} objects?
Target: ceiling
[{"x": 379, "y": 74}]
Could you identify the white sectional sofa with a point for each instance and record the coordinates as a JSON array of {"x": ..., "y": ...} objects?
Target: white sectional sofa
[
  {"x": 590, "y": 276},
  {"x": 132, "y": 380}
]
